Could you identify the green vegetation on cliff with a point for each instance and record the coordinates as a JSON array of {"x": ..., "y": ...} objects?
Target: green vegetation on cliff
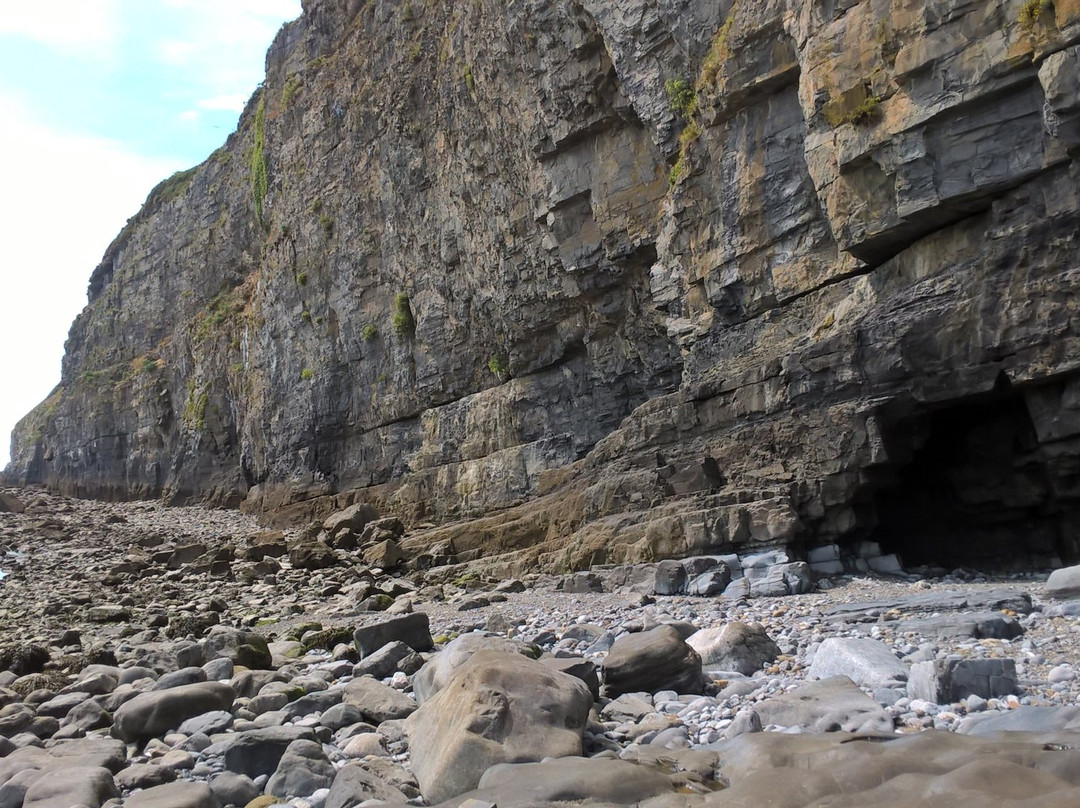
[{"x": 260, "y": 177}]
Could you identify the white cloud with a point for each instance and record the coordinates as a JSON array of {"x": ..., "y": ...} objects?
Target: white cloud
[
  {"x": 87, "y": 27},
  {"x": 177, "y": 53},
  {"x": 65, "y": 198},
  {"x": 220, "y": 46}
]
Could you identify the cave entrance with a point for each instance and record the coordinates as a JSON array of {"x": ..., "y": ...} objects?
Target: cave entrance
[{"x": 981, "y": 484}]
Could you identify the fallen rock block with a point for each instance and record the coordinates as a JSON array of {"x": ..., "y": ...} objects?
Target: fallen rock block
[
  {"x": 259, "y": 751},
  {"x": 944, "y": 681},
  {"x": 303, "y": 769},
  {"x": 651, "y": 661},
  {"x": 866, "y": 662},
  {"x": 412, "y": 629},
  {"x": 740, "y": 647},
  {"x": 497, "y": 708},
  {"x": 354, "y": 518},
  {"x": 1064, "y": 583},
  {"x": 982, "y": 625}
]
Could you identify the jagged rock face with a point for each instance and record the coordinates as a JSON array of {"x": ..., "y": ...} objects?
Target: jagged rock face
[{"x": 464, "y": 260}]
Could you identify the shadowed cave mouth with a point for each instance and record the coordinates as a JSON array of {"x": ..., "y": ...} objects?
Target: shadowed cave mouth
[{"x": 980, "y": 483}]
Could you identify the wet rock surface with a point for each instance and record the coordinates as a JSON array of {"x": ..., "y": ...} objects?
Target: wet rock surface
[{"x": 855, "y": 686}]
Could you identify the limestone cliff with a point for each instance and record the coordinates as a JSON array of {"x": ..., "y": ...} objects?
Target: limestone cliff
[{"x": 578, "y": 281}]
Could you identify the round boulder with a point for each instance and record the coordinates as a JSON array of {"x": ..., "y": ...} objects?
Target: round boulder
[
  {"x": 740, "y": 647},
  {"x": 652, "y": 661}
]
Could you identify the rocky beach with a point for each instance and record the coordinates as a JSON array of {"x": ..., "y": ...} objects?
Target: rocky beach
[
  {"x": 182, "y": 657},
  {"x": 552, "y": 402}
]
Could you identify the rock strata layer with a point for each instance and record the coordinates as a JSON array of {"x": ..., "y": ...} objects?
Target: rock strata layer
[{"x": 590, "y": 281}]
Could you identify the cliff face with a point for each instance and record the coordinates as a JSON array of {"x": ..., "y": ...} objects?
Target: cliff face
[{"x": 604, "y": 280}]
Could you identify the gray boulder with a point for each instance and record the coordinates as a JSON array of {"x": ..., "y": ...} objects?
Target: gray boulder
[
  {"x": 87, "y": 716},
  {"x": 740, "y": 647},
  {"x": 866, "y": 662},
  {"x": 377, "y": 702},
  {"x": 980, "y": 625},
  {"x": 259, "y": 751},
  {"x": 143, "y": 775},
  {"x": 317, "y": 702},
  {"x": 353, "y": 785},
  {"x": 174, "y": 795},
  {"x": 303, "y": 769},
  {"x": 670, "y": 578},
  {"x": 234, "y": 789},
  {"x": 157, "y": 712},
  {"x": 711, "y": 582},
  {"x": 66, "y": 787},
  {"x": 438, "y": 670},
  {"x": 944, "y": 681},
  {"x": 244, "y": 648},
  {"x": 828, "y": 705},
  {"x": 651, "y": 661},
  {"x": 1064, "y": 583},
  {"x": 185, "y": 676},
  {"x": 571, "y": 780},
  {"x": 383, "y": 662},
  {"x": 208, "y": 723},
  {"x": 412, "y": 629},
  {"x": 497, "y": 708}
]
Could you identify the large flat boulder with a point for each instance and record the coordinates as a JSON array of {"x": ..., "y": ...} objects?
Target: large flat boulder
[
  {"x": 570, "y": 780},
  {"x": 156, "y": 712},
  {"x": 829, "y": 705},
  {"x": 866, "y": 662},
  {"x": 64, "y": 787},
  {"x": 944, "y": 681},
  {"x": 174, "y": 795},
  {"x": 497, "y": 708}
]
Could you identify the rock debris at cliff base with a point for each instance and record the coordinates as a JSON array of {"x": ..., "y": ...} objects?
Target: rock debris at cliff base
[{"x": 188, "y": 657}]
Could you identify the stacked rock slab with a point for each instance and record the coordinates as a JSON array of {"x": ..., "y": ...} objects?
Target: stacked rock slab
[{"x": 574, "y": 324}]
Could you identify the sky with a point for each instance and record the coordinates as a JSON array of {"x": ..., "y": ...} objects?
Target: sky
[{"x": 99, "y": 101}]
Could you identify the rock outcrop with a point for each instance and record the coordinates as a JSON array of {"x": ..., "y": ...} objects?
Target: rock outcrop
[{"x": 611, "y": 281}]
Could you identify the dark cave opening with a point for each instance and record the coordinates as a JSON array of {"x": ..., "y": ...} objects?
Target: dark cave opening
[{"x": 980, "y": 484}]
